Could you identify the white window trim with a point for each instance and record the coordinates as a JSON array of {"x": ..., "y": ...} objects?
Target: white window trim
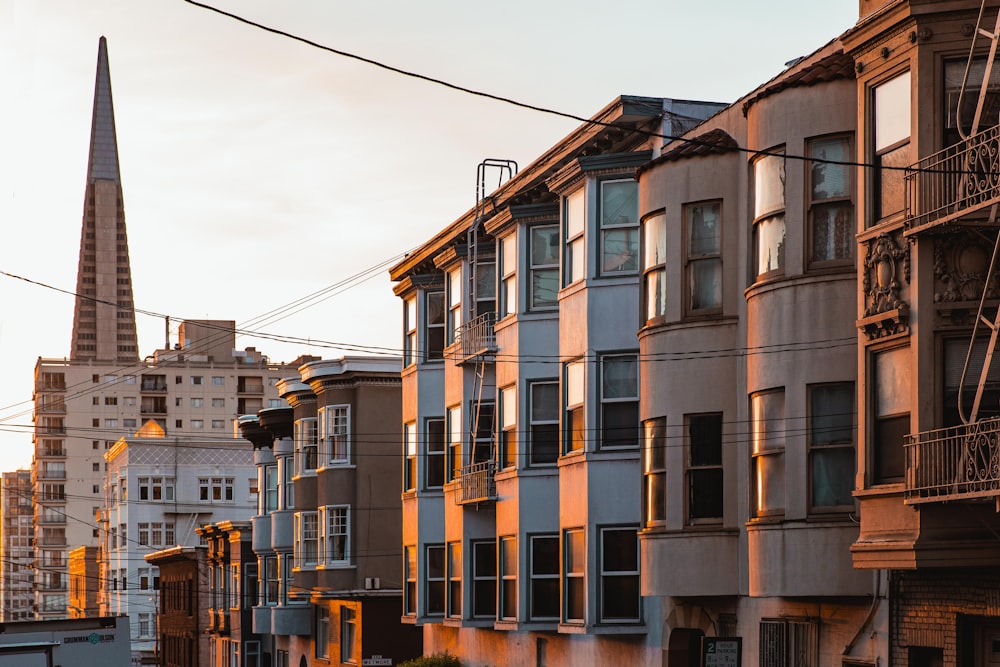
[
  {"x": 325, "y": 416},
  {"x": 327, "y": 515}
]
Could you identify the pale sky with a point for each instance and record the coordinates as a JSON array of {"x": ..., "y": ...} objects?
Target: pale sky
[{"x": 257, "y": 170}]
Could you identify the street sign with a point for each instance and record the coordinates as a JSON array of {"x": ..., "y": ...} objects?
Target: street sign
[{"x": 721, "y": 651}]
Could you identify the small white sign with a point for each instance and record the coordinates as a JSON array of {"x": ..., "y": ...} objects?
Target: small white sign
[{"x": 375, "y": 661}]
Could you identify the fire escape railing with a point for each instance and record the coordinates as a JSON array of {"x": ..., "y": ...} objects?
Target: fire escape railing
[
  {"x": 477, "y": 337},
  {"x": 955, "y": 463},
  {"x": 954, "y": 182},
  {"x": 477, "y": 482}
]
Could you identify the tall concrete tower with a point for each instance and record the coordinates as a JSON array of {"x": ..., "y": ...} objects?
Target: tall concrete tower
[{"x": 104, "y": 316}]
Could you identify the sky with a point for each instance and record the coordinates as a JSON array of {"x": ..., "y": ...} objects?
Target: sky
[{"x": 258, "y": 170}]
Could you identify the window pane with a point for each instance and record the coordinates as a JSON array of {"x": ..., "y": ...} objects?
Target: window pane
[
  {"x": 619, "y": 203},
  {"x": 544, "y": 287},
  {"x": 831, "y": 409},
  {"x": 769, "y": 184},
  {"x": 890, "y": 176},
  {"x": 544, "y": 245},
  {"x": 770, "y": 238},
  {"x": 706, "y": 493},
  {"x": 705, "y": 438},
  {"x": 706, "y": 284},
  {"x": 656, "y": 294},
  {"x": 544, "y": 443},
  {"x": 833, "y": 232},
  {"x": 575, "y": 213},
  {"x": 768, "y": 421},
  {"x": 544, "y": 401},
  {"x": 620, "y": 377},
  {"x": 574, "y": 383},
  {"x": 830, "y": 180},
  {"x": 620, "y": 422},
  {"x": 703, "y": 229},
  {"x": 655, "y": 240},
  {"x": 892, "y": 382},
  {"x": 832, "y": 476},
  {"x": 769, "y": 483},
  {"x": 620, "y": 551},
  {"x": 620, "y": 250},
  {"x": 892, "y": 111}
]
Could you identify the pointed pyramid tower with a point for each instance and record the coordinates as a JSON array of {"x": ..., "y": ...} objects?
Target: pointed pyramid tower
[{"x": 104, "y": 317}]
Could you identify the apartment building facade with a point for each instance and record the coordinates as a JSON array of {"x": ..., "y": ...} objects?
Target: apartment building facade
[
  {"x": 16, "y": 552},
  {"x": 183, "y": 614}
]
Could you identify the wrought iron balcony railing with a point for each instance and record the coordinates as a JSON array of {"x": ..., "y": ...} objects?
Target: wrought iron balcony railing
[
  {"x": 955, "y": 182},
  {"x": 476, "y": 337},
  {"x": 477, "y": 483},
  {"x": 955, "y": 463}
]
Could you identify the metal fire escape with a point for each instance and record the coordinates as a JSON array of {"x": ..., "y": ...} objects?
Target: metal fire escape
[{"x": 478, "y": 346}]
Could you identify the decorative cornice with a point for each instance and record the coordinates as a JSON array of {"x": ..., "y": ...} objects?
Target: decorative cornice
[
  {"x": 450, "y": 255},
  {"x": 417, "y": 281}
]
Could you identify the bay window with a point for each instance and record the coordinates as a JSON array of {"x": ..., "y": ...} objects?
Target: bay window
[
  {"x": 544, "y": 427},
  {"x": 769, "y": 214},
  {"x": 620, "y": 575},
  {"x": 434, "y": 461},
  {"x": 654, "y": 469},
  {"x": 454, "y": 314},
  {"x": 831, "y": 213},
  {"x": 768, "y": 452},
  {"x": 831, "y": 445},
  {"x": 654, "y": 265},
  {"x": 508, "y": 427},
  {"x": 891, "y": 111},
  {"x": 544, "y": 591},
  {"x": 704, "y": 473},
  {"x": 575, "y": 379},
  {"x": 454, "y": 580},
  {"x": 508, "y": 578},
  {"x": 619, "y": 400},
  {"x": 704, "y": 256},
  {"x": 892, "y": 414},
  {"x": 574, "y": 576},
  {"x": 334, "y": 433},
  {"x": 410, "y": 331},
  {"x": 574, "y": 225},
  {"x": 434, "y": 580},
  {"x": 484, "y": 579},
  {"x": 434, "y": 326},
  {"x": 305, "y": 434},
  {"x": 508, "y": 275},
  {"x": 454, "y": 466},
  {"x": 619, "y": 227},
  {"x": 544, "y": 269}
]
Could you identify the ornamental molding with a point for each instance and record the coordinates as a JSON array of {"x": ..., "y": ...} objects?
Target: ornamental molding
[
  {"x": 886, "y": 267},
  {"x": 961, "y": 265}
]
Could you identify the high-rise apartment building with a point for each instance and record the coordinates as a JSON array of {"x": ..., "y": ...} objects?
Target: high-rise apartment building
[{"x": 15, "y": 548}]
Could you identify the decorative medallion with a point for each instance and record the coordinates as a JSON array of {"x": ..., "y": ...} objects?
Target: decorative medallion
[
  {"x": 886, "y": 265},
  {"x": 961, "y": 264}
]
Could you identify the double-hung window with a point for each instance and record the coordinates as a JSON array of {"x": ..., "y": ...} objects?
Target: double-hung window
[
  {"x": 704, "y": 256},
  {"x": 335, "y": 429},
  {"x": 508, "y": 578},
  {"x": 620, "y": 575},
  {"x": 348, "y": 633},
  {"x": 410, "y": 577},
  {"x": 892, "y": 413},
  {"x": 574, "y": 583},
  {"x": 434, "y": 326},
  {"x": 484, "y": 579},
  {"x": 769, "y": 213},
  {"x": 410, "y": 331},
  {"x": 891, "y": 101},
  {"x": 434, "y": 580},
  {"x": 306, "y": 445},
  {"x": 544, "y": 428},
  {"x": 654, "y": 265},
  {"x": 768, "y": 452},
  {"x": 508, "y": 275},
  {"x": 574, "y": 238},
  {"x": 410, "y": 456},
  {"x": 454, "y": 315},
  {"x": 306, "y": 539},
  {"x": 704, "y": 473},
  {"x": 508, "y": 427},
  {"x": 454, "y": 466},
  {"x": 543, "y": 272},
  {"x": 335, "y": 538},
  {"x": 654, "y": 468},
  {"x": 322, "y": 631},
  {"x": 575, "y": 391},
  {"x": 619, "y": 227},
  {"x": 544, "y": 591},
  {"x": 831, "y": 213},
  {"x": 269, "y": 499},
  {"x": 271, "y": 579},
  {"x": 454, "y": 580},
  {"x": 486, "y": 288},
  {"x": 483, "y": 417},
  {"x": 434, "y": 461},
  {"x": 619, "y": 400},
  {"x": 831, "y": 445},
  {"x": 287, "y": 469}
]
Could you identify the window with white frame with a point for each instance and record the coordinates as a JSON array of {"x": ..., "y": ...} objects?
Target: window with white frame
[
  {"x": 269, "y": 499},
  {"x": 335, "y": 540},
  {"x": 769, "y": 213},
  {"x": 305, "y": 436},
  {"x": 508, "y": 427},
  {"x": 286, "y": 472},
  {"x": 619, "y": 400},
  {"x": 156, "y": 533},
  {"x": 144, "y": 534},
  {"x": 334, "y": 433},
  {"x": 434, "y": 586},
  {"x": 306, "y": 539},
  {"x": 454, "y": 442},
  {"x": 574, "y": 376},
  {"x": 484, "y": 579},
  {"x": 410, "y": 456},
  {"x": 704, "y": 469},
  {"x": 482, "y": 414},
  {"x": 768, "y": 452},
  {"x": 574, "y": 237},
  {"x": 322, "y": 631},
  {"x": 574, "y": 585},
  {"x": 891, "y": 102},
  {"x": 218, "y": 402},
  {"x": 831, "y": 446},
  {"x": 543, "y": 271},
  {"x": 197, "y": 402},
  {"x": 620, "y": 575},
  {"x": 410, "y": 577},
  {"x": 434, "y": 461},
  {"x": 508, "y": 578},
  {"x": 434, "y": 325},
  {"x": 144, "y": 624},
  {"x": 543, "y": 603},
  {"x": 410, "y": 331},
  {"x": 704, "y": 256},
  {"x": 271, "y": 580},
  {"x": 454, "y": 580},
  {"x": 508, "y": 275},
  {"x": 619, "y": 226},
  {"x": 169, "y": 534},
  {"x": 654, "y": 469},
  {"x": 654, "y": 265},
  {"x": 144, "y": 581},
  {"x": 831, "y": 212},
  {"x": 454, "y": 314},
  {"x": 234, "y": 586},
  {"x": 348, "y": 634},
  {"x": 544, "y": 426}
]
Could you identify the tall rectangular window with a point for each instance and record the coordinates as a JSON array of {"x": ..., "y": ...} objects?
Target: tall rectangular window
[
  {"x": 286, "y": 468},
  {"x": 335, "y": 538},
  {"x": 768, "y": 452},
  {"x": 434, "y": 461},
  {"x": 891, "y": 107},
  {"x": 269, "y": 499},
  {"x": 654, "y": 468},
  {"x": 454, "y": 442},
  {"x": 704, "y": 474},
  {"x": 508, "y": 275},
  {"x": 892, "y": 414},
  {"x": 544, "y": 427},
  {"x": 575, "y": 392},
  {"x": 434, "y": 326},
  {"x": 769, "y": 214},
  {"x": 619, "y": 227},
  {"x": 410, "y": 577},
  {"x": 484, "y": 579},
  {"x": 654, "y": 265},
  {"x": 831, "y": 212},
  {"x": 544, "y": 590},
  {"x": 454, "y": 580},
  {"x": 482, "y": 414},
  {"x": 410, "y": 456},
  {"x": 620, "y": 575},
  {"x": 305, "y": 436},
  {"x": 831, "y": 445},
  {"x": 508, "y": 578},
  {"x": 306, "y": 539},
  {"x": 434, "y": 580},
  {"x": 454, "y": 304},
  {"x": 348, "y": 634},
  {"x": 574, "y": 577},
  {"x": 334, "y": 433},
  {"x": 410, "y": 331},
  {"x": 544, "y": 268},
  {"x": 508, "y": 427},
  {"x": 486, "y": 288},
  {"x": 574, "y": 224},
  {"x": 619, "y": 400},
  {"x": 322, "y": 631},
  {"x": 704, "y": 256},
  {"x": 271, "y": 580}
]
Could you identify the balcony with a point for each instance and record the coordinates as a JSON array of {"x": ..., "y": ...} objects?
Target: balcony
[
  {"x": 477, "y": 483},
  {"x": 476, "y": 338},
  {"x": 954, "y": 183},
  {"x": 955, "y": 463}
]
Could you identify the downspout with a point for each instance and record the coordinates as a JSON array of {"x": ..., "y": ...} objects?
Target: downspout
[{"x": 868, "y": 619}]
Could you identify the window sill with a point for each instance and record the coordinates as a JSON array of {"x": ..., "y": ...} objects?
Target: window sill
[
  {"x": 572, "y": 628},
  {"x": 529, "y": 626},
  {"x": 336, "y": 466},
  {"x": 623, "y": 628},
  {"x": 571, "y": 289},
  {"x": 326, "y": 567},
  {"x": 305, "y": 473},
  {"x": 408, "y": 620}
]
